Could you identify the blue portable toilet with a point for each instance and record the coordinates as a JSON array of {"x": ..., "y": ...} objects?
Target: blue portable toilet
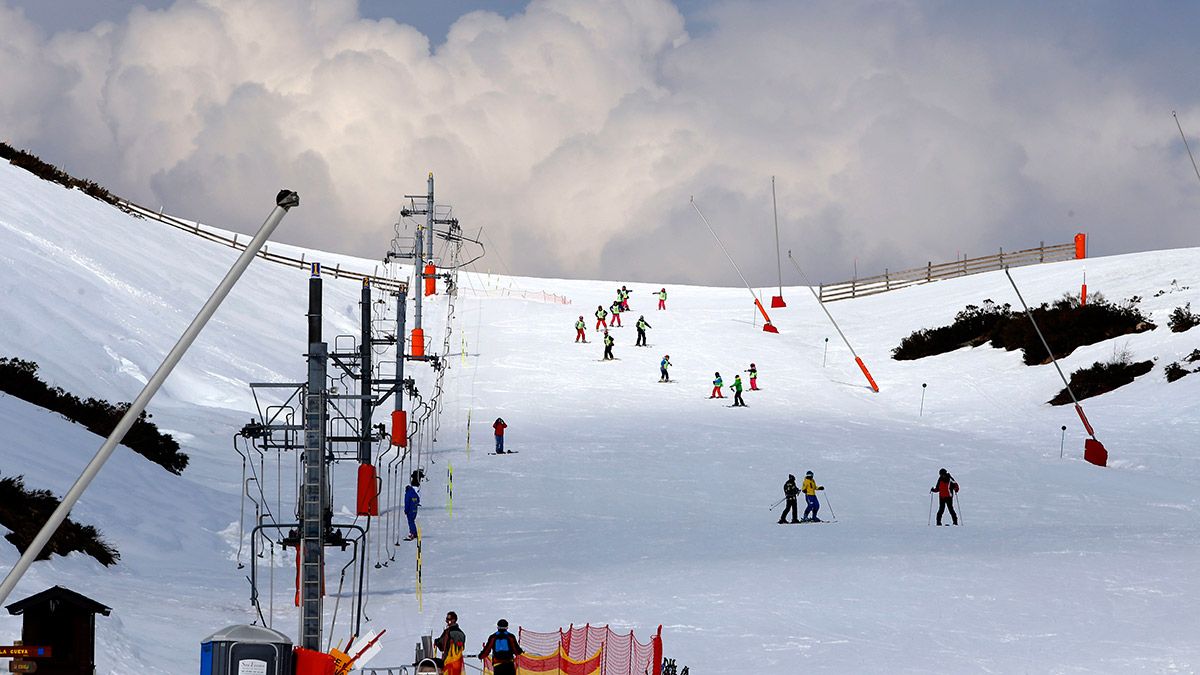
[{"x": 246, "y": 650}]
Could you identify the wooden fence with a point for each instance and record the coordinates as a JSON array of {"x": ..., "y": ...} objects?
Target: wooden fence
[{"x": 890, "y": 281}]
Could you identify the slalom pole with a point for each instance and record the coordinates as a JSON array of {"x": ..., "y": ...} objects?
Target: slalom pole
[
  {"x": 284, "y": 201},
  {"x": 862, "y": 366},
  {"x": 1062, "y": 444},
  {"x": 921, "y": 413},
  {"x": 1054, "y": 360},
  {"x": 929, "y": 522},
  {"x": 768, "y": 327}
]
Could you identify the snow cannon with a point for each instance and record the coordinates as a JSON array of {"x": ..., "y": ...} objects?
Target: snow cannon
[
  {"x": 368, "y": 491},
  {"x": 400, "y": 428},
  {"x": 430, "y": 279},
  {"x": 768, "y": 326}
]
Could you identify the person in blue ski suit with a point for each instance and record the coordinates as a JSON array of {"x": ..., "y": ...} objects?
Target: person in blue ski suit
[{"x": 412, "y": 502}]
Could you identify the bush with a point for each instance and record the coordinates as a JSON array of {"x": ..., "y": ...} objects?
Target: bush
[
  {"x": 47, "y": 171},
  {"x": 19, "y": 378},
  {"x": 1100, "y": 378},
  {"x": 1174, "y": 371},
  {"x": 1182, "y": 319},
  {"x": 1066, "y": 324},
  {"x": 24, "y": 512}
]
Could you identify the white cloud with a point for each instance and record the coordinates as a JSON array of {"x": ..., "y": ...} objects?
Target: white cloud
[{"x": 577, "y": 130}]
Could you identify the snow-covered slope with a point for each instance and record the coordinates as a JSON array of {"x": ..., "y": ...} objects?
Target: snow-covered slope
[{"x": 631, "y": 502}]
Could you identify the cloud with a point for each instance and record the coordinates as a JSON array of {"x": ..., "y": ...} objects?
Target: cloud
[{"x": 576, "y": 131}]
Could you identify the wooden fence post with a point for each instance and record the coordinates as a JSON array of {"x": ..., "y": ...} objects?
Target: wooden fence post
[{"x": 1042, "y": 252}]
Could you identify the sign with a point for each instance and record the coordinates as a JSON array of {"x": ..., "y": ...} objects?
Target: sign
[
  {"x": 24, "y": 652},
  {"x": 22, "y": 667},
  {"x": 252, "y": 667}
]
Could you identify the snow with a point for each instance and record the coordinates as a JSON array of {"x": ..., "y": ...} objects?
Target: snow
[{"x": 634, "y": 503}]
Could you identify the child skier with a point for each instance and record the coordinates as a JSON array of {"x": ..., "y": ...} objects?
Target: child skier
[
  {"x": 946, "y": 487},
  {"x": 608, "y": 345},
  {"x": 790, "y": 492},
  {"x": 717, "y": 384},
  {"x": 580, "y": 330},
  {"x": 663, "y": 376},
  {"x": 412, "y": 502},
  {"x": 662, "y": 299},
  {"x": 616, "y": 313},
  {"x": 601, "y": 315},
  {"x": 641, "y": 329},
  {"x": 625, "y": 299},
  {"x": 737, "y": 391},
  {"x": 809, "y": 487},
  {"x": 753, "y": 377},
  {"x": 499, "y": 426}
]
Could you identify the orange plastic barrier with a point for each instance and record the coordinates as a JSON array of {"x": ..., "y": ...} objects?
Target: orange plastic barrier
[
  {"x": 430, "y": 280},
  {"x": 418, "y": 343},
  {"x": 1080, "y": 246},
  {"x": 400, "y": 427},
  {"x": 368, "y": 491}
]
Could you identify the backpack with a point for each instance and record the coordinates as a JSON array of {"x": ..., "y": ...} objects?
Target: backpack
[{"x": 502, "y": 648}]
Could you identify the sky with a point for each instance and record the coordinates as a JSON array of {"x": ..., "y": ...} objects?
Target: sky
[{"x": 576, "y": 132}]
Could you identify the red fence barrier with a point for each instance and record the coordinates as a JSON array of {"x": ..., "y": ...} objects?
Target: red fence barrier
[{"x": 590, "y": 650}]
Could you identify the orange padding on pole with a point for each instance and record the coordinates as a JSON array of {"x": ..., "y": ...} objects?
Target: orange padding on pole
[
  {"x": 430, "y": 280},
  {"x": 863, "y": 367},
  {"x": 400, "y": 428},
  {"x": 368, "y": 491},
  {"x": 1080, "y": 246},
  {"x": 769, "y": 327},
  {"x": 1084, "y": 419},
  {"x": 418, "y": 343},
  {"x": 1083, "y": 294}
]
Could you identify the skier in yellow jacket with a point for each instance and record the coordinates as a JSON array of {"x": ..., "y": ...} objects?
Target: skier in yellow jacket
[{"x": 809, "y": 487}]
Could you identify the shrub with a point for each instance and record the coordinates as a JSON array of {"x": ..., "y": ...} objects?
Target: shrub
[
  {"x": 46, "y": 171},
  {"x": 24, "y": 512},
  {"x": 1182, "y": 319},
  {"x": 19, "y": 378},
  {"x": 1174, "y": 371},
  {"x": 1066, "y": 324},
  {"x": 1100, "y": 378}
]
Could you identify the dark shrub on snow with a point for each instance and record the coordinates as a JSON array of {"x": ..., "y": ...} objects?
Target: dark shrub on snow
[
  {"x": 1182, "y": 319},
  {"x": 24, "y": 511},
  {"x": 47, "y": 171},
  {"x": 1100, "y": 378},
  {"x": 972, "y": 327},
  {"x": 19, "y": 378}
]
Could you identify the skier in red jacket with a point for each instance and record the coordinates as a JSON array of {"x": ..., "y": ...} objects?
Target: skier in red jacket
[
  {"x": 499, "y": 426},
  {"x": 946, "y": 488}
]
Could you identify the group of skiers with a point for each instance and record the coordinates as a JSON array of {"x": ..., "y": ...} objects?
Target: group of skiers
[
  {"x": 736, "y": 387},
  {"x": 618, "y": 307},
  {"x": 946, "y": 488},
  {"x": 501, "y": 646}
]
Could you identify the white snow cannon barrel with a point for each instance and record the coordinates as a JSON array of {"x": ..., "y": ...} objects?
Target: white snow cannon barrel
[{"x": 246, "y": 650}]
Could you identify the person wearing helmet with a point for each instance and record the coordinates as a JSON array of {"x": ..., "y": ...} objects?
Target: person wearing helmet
[
  {"x": 753, "y": 377},
  {"x": 624, "y": 295},
  {"x": 580, "y": 330},
  {"x": 737, "y": 392},
  {"x": 412, "y": 502},
  {"x": 809, "y": 487},
  {"x": 790, "y": 492},
  {"x": 601, "y": 315},
  {"x": 503, "y": 648},
  {"x": 642, "y": 325},
  {"x": 616, "y": 310},
  {"x": 946, "y": 487},
  {"x": 662, "y": 299},
  {"x": 608, "y": 345},
  {"x": 717, "y": 384},
  {"x": 663, "y": 375}
]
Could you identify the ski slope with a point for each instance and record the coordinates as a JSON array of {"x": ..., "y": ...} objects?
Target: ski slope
[{"x": 635, "y": 503}]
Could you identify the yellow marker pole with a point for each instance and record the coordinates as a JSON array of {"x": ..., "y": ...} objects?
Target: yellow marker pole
[
  {"x": 420, "y": 598},
  {"x": 450, "y": 489}
]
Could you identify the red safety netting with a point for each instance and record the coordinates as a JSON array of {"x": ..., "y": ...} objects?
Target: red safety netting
[{"x": 590, "y": 650}]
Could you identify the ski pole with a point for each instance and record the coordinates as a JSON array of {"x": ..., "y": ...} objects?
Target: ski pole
[
  {"x": 958, "y": 500},
  {"x": 772, "y": 507},
  {"x": 930, "y": 521},
  {"x": 830, "y": 507}
]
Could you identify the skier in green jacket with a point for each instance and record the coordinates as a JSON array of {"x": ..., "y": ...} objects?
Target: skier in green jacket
[
  {"x": 580, "y": 330},
  {"x": 616, "y": 314},
  {"x": 663, "y": 375},
  {"x": 641, "y": 329},
  {"x": 601, "y": 315},
  {"x": 608, "y": 345},
  {"x": 662, "y": 299},
  {"x": 737, "y": 392}
]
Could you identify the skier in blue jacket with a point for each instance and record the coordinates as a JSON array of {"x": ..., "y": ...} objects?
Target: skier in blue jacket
[{"x": 412, "y": 502}]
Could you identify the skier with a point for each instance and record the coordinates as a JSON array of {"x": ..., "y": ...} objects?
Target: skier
[
  {"x": 946, "y": 488},
  {"x": 412, "y": 502},
  {"x": 753, "y": 377},
  {"x": 809, "y": 487},
  {"x": 662, "y": 299},
  {"x": 580, "y": 330},
  {"x": 641, "y": 329},
  {"x": 737, "y": 391},
  {"x": 717, "y": 384},
  {"x": 790, "y": 492},
  {"x": 608, "y": 345},
  {"x": 663, "y": 376},
  {"x": 625, "y": 299},
  {"x": 504, "y": 650},
  {"x": 616, "y": 313},
  {"x": 451, "y": 643},
  {"x": 601, "y": 315},
  {"x": 499, "y": 426}
]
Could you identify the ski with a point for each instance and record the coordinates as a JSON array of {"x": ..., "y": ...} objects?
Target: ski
[{"x": 506, "y": 452}]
